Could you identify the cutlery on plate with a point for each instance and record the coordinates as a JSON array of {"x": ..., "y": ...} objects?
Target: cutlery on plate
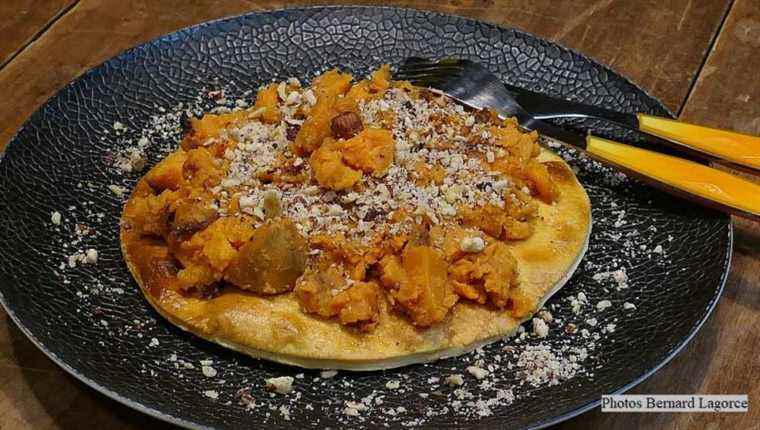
[
  {"x": 726, "y": 147},
  {"x": 473, "y": 85}
]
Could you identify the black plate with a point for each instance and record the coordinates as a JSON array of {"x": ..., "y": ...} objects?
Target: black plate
[{"x": 93, "y": 321}]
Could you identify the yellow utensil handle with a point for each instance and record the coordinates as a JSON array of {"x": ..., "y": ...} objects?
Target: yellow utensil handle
[
  {"x": 705, "y": 184},
  {"x": 735, "y": 147}
]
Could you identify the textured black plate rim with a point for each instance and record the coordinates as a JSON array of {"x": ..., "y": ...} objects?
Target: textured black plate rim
[{"x": 163, "y": 416}]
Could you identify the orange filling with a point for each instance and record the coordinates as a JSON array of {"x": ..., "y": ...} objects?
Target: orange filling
[{"x": 214, "y": 231}]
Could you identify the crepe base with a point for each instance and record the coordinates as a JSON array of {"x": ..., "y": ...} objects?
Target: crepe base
[{"x": 274, "y": 328}]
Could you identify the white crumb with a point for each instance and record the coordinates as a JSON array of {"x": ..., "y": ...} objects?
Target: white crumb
[
  {"x": 393, "y": 385},
  {"x": 603, "y": 304},
  {"x": 353, "y": 408},
  {"x": 546, "y": 316},
  {"x": 117, "y": 190},
  {"x": 454, "y": 380},
  {"x": 281, "y": 384},
  {"x": 540, "y": 328},
  {"x": 477, "y": 372},
  {"x": 91, "y": 256}
]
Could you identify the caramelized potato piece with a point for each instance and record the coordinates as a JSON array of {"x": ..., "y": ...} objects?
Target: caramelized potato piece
[
  {"x": 167, "y": 174},
  {"x": 272, "y": 261},
  {"x": 191, "y": 216},
  {"x": 314, "y": 290},
  {"x": 449, "y": 240},
  {"x": 419, "y": 284},
  {"x": 331, "y": 84},
  {"x": 340, "y": 250},
  {"x": 156, "y": 266},
  {"x": 489, "y": 219},
  {"x": 359, "y": 304}
]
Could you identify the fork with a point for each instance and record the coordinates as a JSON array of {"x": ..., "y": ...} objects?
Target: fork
[
  {"x": 473, "y": 85},
  {"x": 740, "y": 151}
]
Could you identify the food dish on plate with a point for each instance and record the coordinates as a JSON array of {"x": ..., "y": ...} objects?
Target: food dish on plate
[{"x": 353, "y": 225}]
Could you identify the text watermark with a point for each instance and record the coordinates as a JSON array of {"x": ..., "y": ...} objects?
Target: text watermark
[{"x": 675, "y": 403}]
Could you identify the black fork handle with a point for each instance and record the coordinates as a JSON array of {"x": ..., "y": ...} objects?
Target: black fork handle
[{"x": 546, "y": 107}]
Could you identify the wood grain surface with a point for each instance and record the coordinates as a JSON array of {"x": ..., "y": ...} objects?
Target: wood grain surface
[
  {"x": 22, "y": 20},
  {"x": 698, "y": 56}
]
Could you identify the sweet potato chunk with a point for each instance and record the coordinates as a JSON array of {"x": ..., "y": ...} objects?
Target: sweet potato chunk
[
  {"x": 156, "y": 266},
  {"x": 540, "y": 182},
  {"x": 267, "y": 99},
  {"x": 196, "y": 280},
  {"x": 207, "y": 127},
  {"x": 149, "y": 214},
  {"x": 372, "y": 88},
  {"x": 521, "y": 146},
  {"x": 331, "y": 84},
  {"x": 191, "y": 216},
  {"x": 419, "y": 284},
  {"x": 168, "y": 172},
  {"x": 327, "y": 293},
  {"x": 338, "y": 249},
  {"x": 216, "y": 246},
  {"x": 449, "y": 240},
  {"x": 489, "y": 219},
  {"x": 492, "y": 273},
  {"x": 497, "y": 222},
  {"x": 370, "y": 151},
  {"x": 330, "y": 170},
  {"x": 316, "y": 128},
  {"x": 359, "y": 303},
  {"x": 316, "y": 289},
  {"x": 272, "y": 261},
  {"x": 200, "y": 169}
]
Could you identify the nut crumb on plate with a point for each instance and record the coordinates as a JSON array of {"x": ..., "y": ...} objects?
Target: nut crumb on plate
[{"x": 281, "y": 384}]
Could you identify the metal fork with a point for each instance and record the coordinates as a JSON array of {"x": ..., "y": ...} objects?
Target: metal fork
[{"x": 473, "y": 85}]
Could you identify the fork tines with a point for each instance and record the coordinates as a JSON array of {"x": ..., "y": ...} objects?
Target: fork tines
[{"x": 424, "y": 72}]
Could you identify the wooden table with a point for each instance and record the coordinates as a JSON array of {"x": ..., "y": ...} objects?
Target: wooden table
[{"x": 697, "y": 56}]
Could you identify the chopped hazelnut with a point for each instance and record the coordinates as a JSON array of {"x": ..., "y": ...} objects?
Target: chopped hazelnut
[
  {"x": 472, "y": 244},
  {"x": 346, "y": 125}
]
